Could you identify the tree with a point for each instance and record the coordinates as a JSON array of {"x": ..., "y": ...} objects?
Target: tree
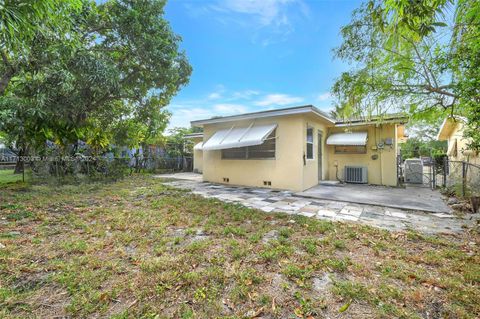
[
  {"x": 21, "y": 21},
  {"x": 176, "y": 145},
  {"x": 108, "y": 82},
  {"x": 415, "y": 147},
  {"x": 412, "y": 56}
]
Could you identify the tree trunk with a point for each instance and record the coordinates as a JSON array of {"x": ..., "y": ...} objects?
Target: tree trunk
[
  {"x": 20, "y": 165},
  {"x": 137, "y": 160},
  {"x": 475, "y": 201},
  {"x": 5, "y": 79}
]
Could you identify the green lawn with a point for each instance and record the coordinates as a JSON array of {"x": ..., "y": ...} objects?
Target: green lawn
[
  {"x": 7, "y": 176},
  {"x": 138, "y": 249}
]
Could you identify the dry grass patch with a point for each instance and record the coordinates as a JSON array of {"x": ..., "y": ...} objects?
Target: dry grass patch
[{"x": 138, "y": 249}]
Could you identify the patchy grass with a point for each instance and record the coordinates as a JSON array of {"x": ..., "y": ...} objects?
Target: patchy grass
[
  {"x": 7, "y": 176},
  {"x": 138, "y": 249}
]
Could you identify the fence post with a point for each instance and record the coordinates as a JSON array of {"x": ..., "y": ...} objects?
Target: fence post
[
  {"x": 464, "y": 177},
  {"x": 445, "y": 164},
  {"x": 434, "y": 176}
]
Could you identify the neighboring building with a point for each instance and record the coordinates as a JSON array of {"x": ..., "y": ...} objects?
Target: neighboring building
[
  {"x": 197, "y": 139},
  {"x": 451, "y": 130},
  {"x": 6, "y": 154},
  {"x": 296, "y": 148}
]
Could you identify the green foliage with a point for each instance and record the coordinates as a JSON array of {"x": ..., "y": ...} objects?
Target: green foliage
[
  {"x": 414, "y": 57},
  {"x": 176, "y": 144},
  {"x": 472, "y": 130},
  {"x": 21, "y": 20},
  {"x": 107, "y": 82},
  {"x": 415, "y": 148}
]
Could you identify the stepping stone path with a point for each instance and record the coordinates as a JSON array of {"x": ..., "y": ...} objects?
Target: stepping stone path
[{"x": 268, "y": 201}]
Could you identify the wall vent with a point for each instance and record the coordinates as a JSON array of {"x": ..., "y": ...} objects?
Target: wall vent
[
  {"x": 355, "y": 174},
  {"x": 226, "y": 180},
  {"x": 267, "y": 183}
]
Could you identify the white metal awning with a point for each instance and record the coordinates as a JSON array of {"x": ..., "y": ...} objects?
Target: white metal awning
[
  {"x": 238, "y": 137},
  {"x": 355, "y": 139},
  {"x": 198, "y": 147}
]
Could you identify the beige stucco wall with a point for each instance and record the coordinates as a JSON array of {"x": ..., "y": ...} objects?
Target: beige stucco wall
[
  {"x": 197, "y": 161},
  {"x": 287, "y": 170},
  {"x": 382, "y": 171},
  {"x": 284, "y": 172},
  {"x": 197, "y": 156},
  {"x": 463, "y": 153}
]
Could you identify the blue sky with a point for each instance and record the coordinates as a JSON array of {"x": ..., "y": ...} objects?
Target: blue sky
[{"x": 253, "y": 55}]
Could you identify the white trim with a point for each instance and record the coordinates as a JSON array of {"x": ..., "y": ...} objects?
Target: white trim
[
  {"x": 309, "y": 127},
  {"x": 265, "y": 114}
]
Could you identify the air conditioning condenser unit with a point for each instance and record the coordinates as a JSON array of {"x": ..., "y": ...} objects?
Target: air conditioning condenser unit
[{"x": 355, "y": 174}]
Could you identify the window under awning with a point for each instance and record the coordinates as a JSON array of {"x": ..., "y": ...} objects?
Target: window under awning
[
  {"x": 355, "y": 139},
  {"x": 198, "y": 147},
  {"x": 238, "y": 137}
]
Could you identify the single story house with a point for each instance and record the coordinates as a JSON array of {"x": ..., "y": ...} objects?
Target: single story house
[
  {"x": 451, "y": 131},
  {"x": 296, "y": 148}
]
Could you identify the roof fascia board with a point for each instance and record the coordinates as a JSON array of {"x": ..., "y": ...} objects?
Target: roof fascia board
[
  {"x": 193, "y": 135},
  {"x": 265, "y": 114},
  {"x": 388, "y": 121}
]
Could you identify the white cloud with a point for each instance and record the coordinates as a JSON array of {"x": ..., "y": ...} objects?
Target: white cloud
[
  {"x": 270, "y": 21},
  {"x": 267, "y": 12},
  {"x": 223, "y": 102},
  {"x": 278, "y": 99},
  {"x": 228, "y": 108},
  {"x": 183, "y": 114},
  {"x": 245, "y": 95},
  {"x": 214, "y": 96},
  {"x": 324, "y": 97}
]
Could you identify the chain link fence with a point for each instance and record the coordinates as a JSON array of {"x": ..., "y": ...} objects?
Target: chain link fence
[
  {"x": 71, "y": 169},
  {"x": 460, "y": 177}
]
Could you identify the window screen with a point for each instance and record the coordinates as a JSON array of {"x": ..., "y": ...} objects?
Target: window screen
[
  {"x": 309, "y": 143},
  {"x": 262, "y": 151},
  {"x": 235, "y": 153},
  {"x": 350, "y": 149}
]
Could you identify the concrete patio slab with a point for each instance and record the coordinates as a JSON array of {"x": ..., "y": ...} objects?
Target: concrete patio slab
[
  {"x": 189, "y": 176},
  {"x": 272, "y": 201},
  {"x": 411, "y": 197}
]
